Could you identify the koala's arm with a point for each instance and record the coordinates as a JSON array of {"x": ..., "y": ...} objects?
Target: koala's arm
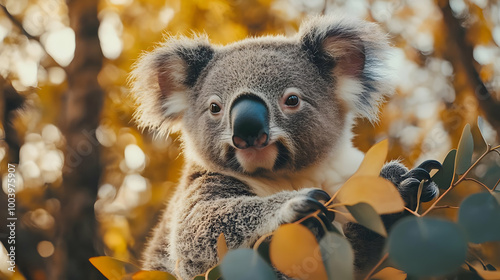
[
  {"x": 216, "y": 204},
  {"x": 368, "y": 245}
]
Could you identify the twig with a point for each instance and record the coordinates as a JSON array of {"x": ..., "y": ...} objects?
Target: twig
[
  {"x": 479, "y": 183},
  {"x": 332, "y": 206},
  {"x": 333, "y": 197},
  {"x": 462, "y": 178},
  {"x": 19, "y": 25},
  {"x": 446, "y": 207},
  {"x": 382, "y": 260},
  {"x": 307, "y": 217},
  {"x": 411, "y": 211},
  {"x": 495, "y": 186},
  {"x": 437, "y": 200},
  {"x": 496, "y": 151}
]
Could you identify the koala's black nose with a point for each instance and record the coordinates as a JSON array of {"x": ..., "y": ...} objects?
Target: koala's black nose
[{"x": 250, "y": 120}]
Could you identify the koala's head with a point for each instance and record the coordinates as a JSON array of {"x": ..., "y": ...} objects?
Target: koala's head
[{"x": 269, "y": 104}]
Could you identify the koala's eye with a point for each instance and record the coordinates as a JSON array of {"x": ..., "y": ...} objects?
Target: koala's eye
[
  {"x": 292, "y": 101},
  {"x": 214, "y": 108}
]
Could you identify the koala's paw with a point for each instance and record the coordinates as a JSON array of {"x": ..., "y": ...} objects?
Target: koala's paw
[
  {"x": 408, "y": 181},
  {"x": 306, "y": 202}
]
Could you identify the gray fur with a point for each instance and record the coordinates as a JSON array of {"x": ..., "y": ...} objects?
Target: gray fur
[{"x": 338, "y": 68}]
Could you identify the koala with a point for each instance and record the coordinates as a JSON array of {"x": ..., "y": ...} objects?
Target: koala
[{"x": 265, "y": 126}]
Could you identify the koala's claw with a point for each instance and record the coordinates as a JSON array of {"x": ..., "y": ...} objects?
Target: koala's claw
[
  {"x": 411, "y": 181},
  {"x": 418, "y": 174},
  {"x": 429, "y": 165},
  {"x": 310, "y": 205},
  {"x": 319, "y": 195}
]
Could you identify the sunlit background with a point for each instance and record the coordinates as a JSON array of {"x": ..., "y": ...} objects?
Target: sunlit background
[{"x": 436, "y": 96}]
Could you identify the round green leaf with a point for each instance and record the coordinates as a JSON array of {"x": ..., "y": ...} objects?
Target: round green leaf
[
  {"x": 366, "y": 216},
  {"x": 242, "y": 264},
  {"x": 465, "y": 149},
  {"x": 337, "y": 256},
  {"x": 427, "y": 246},
  {"x": 444, "y": 177},
  {"x": 496, "y": 194},
  {"x": 479, "y": 214}
]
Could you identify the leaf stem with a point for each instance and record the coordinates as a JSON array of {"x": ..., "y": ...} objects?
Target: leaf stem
[{"x": 374, "y": 269}]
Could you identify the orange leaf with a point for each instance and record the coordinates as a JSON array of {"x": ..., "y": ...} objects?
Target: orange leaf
[
  {"x": 152, "y": 275},
  {"x": 221, "y": 246},
  {"x": 295, "y": 252},
  {"x": 390, "y": 273},
  {"x": 376, "y": 191},
  {"x": 112, "y": 268},
  {"x": 374, "y": 159}
]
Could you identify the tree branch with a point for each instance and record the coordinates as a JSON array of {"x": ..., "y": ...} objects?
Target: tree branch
[
  {"x": 464, "y": 55},
  {"x": 19, "y": 25}
]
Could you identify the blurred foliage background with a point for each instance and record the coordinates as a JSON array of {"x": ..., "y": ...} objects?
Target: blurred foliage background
[{"x": 90, "y": 183}]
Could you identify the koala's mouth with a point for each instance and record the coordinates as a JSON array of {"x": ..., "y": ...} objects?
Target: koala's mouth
[{"x": 253, "y": 158}]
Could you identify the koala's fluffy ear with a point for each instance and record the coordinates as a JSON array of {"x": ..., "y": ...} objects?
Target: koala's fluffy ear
[
  {"x": 354, "y": 54},
  {"x": 162, "y": 80}
]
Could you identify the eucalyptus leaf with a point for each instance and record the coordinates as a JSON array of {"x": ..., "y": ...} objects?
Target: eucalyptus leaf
[
  {"x": 444, "y": 177},
  {"x": 479, "y": 215},
  {"x": 152, "y": 275},
  {"x": 480, "y": 144},
  {"x": 213, "y": 274},
  {"x": 245, "y": 264},
  {"x": 113, "y": 269},
  {"x": 263, "y": 251},
  {"x": 337, "y": 256},
  {"x": 425, "y": 246},
  {"x": 465, "y": 150},
  {"x": 496, "y": 194},
  {"x": 367, "y": 217}
]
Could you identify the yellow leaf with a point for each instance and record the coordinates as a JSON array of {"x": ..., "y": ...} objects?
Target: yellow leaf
[
  {"x": 374, "y": 159},
  {"x": 152, "y": 275},
  {"x": 390, "y": 273},
  {"x": 112, "y": 268},
  {"x": 487, "y": 275},
  {"x": 295, "y": 252},
  {"x": 376, "y": 191},
  {"x": 221, "y": 246}
]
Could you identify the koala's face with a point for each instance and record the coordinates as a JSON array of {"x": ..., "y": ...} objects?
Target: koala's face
[
  {"x": 263, "y": 105},
  {"x": 258, "y": 107}
]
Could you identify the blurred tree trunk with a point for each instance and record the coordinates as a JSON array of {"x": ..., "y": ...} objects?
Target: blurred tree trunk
[
  {"x": 77, "y": 239},
  {"x": 460, "y": 54}
]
